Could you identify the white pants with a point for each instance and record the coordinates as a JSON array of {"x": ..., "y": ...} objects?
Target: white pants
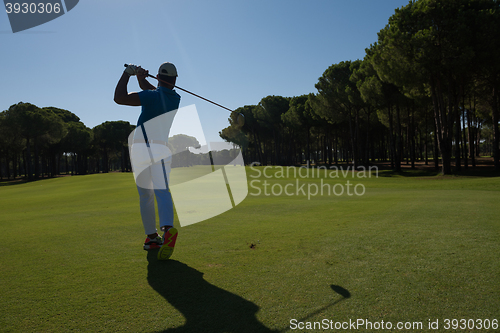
[{"x": 154, "y": 181}]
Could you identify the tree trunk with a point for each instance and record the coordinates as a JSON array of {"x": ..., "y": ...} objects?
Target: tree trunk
[
  {"x": 357, "y": 142},
  {"x": 28, "y": 159},
  {"x": 258, "y": 147},
  {"x": 37, "y": 162},
  {"x": 353, "y": 143},
  {"x": 411, "y": 135},
  {"x": 464, "y": 139},
  {"x": 478, "y": 137},
  {"x": 308, "y": 152},
  {"x": 7, "y": 168},
  {"x": 391, "y": 139},
  {"x": 367, "y": 148},
  {"x": 14, "y": 164},
  {"x": 426, "y": 145},
  {"x": 470, "y": 133},
  {"x": 1, "y": 167},
  {"x": 455, "y": 108},
  {"x": 442, "y": 120},
  {"x": 496, "y": 132},
  {"x": 399, "y": 138}
]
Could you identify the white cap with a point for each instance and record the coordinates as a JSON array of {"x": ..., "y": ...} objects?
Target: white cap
[{"x": 168, "y": 69}]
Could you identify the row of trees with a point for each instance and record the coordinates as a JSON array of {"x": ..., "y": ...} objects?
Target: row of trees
[
  {"x": 46, "y": 142},
  {"x": 37, "y": 142},
  {"x": 426, "y": 89}
]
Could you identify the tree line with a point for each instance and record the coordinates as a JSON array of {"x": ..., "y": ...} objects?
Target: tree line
[
  {"x": 428, "y": 90},
  {"x": 45, "y": 142}
]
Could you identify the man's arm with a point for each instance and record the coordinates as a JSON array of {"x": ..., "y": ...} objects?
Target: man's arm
[
  {"x": 122, "y": 96},
  {"x": 141, "y": 78}
]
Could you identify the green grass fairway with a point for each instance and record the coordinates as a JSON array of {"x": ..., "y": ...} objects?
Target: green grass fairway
[{"x": 411, "y": 249}]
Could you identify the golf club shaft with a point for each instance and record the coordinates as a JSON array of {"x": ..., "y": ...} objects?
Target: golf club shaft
[{"x": 203, "y": 98}]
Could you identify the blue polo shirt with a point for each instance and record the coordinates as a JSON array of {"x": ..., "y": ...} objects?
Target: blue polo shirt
[{"x": 157, "y": 102}]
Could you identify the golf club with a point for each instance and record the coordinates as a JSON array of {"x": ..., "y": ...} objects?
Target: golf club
[{"x": 240, "y": 118}]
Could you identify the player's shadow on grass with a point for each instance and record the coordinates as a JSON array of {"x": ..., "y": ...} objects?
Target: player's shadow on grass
[{"x": 207, "y": 308}]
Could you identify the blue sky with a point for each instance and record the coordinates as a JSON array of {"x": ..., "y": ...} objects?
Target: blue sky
[{"x": 230, "y": 51}]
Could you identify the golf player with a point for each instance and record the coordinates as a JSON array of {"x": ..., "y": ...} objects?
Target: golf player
[{"x": 154, "y": 102}]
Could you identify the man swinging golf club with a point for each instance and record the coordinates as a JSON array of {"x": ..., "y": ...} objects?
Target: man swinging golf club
[{"x": 154, "y": 102}]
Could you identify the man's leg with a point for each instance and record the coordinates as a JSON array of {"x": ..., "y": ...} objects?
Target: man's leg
[
  {"x": 165, "y": 208},
  {"x": 147, "y": 207},
  {"x": 166, "y": 212},
  {"x": 160, "y": 178}
]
